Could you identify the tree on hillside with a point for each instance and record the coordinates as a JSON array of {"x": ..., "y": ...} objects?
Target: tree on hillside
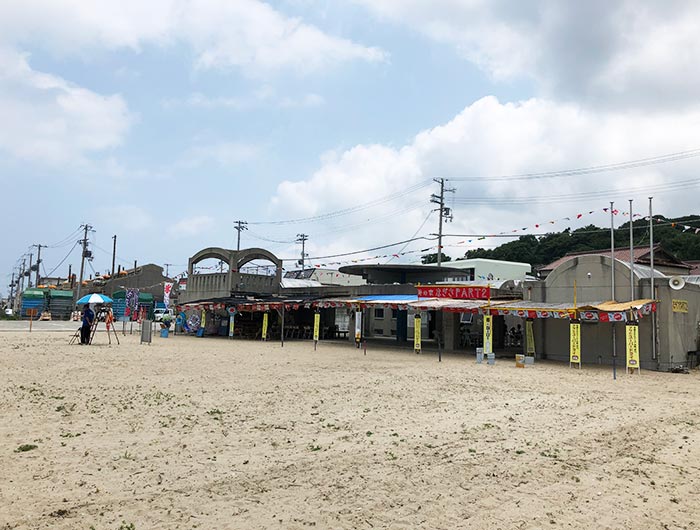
[
  {"x": 433, "y": 258},
  {"x": 538, "y": 251}
]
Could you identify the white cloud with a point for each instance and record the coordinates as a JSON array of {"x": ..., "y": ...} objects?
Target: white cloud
[
  {"x": 246, "y": 34},
  {"x": 621, "y": 53},
  {"x": 49, "y": 120},
  {"x": 489, "y": 138},
  {"x": 196, "y": 225},
  {"x": 253, "y": 35}
]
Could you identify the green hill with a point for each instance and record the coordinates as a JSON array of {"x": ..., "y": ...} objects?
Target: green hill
[{"x": 539, "y": 251}]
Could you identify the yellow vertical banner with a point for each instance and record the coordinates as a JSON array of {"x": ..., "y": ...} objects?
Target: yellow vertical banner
[
  {"x": 231, "y": 324},
  {"x": 358, "y": 326},
  {"x": 488, "y": 334},
  {"x": 204, "y": 319},
  {"x": 417, "y": 322},
  {"x": 575, "y": 342},
  {"x": 266, "y": 318},
  {"x": 529, "y": 338},
  {"x": 317, "y": 325},
  {"x": 632, "y": 343}
]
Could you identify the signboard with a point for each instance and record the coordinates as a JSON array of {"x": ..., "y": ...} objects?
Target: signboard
[
  {"x": 203, "y": 322},
  {"x": 358, "y": 326},
  {"x": 417, "y": 333},
  {"x": 529, "y": 338},
  {"x": 231, "y": 324},
  {"x": 575, "y": 342},
  {"x": 146, "y": 331},
  {"x": 458, "y": 292},
  {"x": 317, "y": 325},
  {"x": 679, "y": 306},
  {"x": 488, "y": 334},
  {"x": 632, "y": 345},
  {"x": 266, "y": 318}
]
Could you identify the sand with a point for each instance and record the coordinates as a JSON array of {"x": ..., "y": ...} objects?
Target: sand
[{"x": 212, "y": 433}]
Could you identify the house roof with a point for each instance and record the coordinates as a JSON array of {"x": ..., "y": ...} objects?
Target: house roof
[
  {"x": 640, "y": 255},
  {"x": 694, "y": 267}
]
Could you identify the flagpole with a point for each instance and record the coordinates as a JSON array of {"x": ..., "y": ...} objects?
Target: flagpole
[
  {"x": 653, "y": 295},
  {"x": 612, "y": 278},
  {"x": 631, "y": 256},
  {"x": 612, "y": 251}
]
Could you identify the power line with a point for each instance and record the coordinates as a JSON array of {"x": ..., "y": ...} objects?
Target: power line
[
  {"x": 414, "y": 235},
  {"x": 585, "y": 195},
  {"x": 367, "y": 249},
  {"x": 66, "y": 240},
  {"x": 619, "y": 166},
  {"x": 63, "y": 260},
  {"x": 353, "y": 209}
]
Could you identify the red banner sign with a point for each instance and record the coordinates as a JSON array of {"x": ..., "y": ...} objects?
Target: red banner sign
[{"x": 458, "y": 293}]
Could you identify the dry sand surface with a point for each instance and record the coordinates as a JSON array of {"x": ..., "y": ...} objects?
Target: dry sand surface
[{"x": 211, "y": 433}]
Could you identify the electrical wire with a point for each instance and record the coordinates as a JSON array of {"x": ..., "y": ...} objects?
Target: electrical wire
[
  {"x": 414, "y": 235},
  {"x": 66, "y": 240},
  {"x": 581, "y": 196},
  {"x": 619, "y": 166},
  {"x": 63, "y": 260},
  {"x": 367, "y": 249},
  {"x": 353, "y": 209}
]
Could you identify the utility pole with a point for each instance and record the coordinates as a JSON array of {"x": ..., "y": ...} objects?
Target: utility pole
[
  {"x": 445, "y": 213},
  {"x": 29, "y": 275},
  {"x": 18, "y": 302},
  {"x": 11, "y": 300},
  {"x": 86, "y": 227},
  {"x": 167, "y": 269},
  {"x": 38, "y": 263},
  {"x": 114, "y": 252},
  {"x": 240, "y": 226},
  {"x": 302, "y": 238}
]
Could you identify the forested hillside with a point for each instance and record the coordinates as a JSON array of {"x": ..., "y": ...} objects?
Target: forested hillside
[{"x": 677, "y": 236}]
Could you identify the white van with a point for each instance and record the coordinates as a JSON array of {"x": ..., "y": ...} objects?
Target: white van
[{"x": 159, "y": 312}]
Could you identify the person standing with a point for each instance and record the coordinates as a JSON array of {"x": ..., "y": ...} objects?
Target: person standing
[{"x": 88, "y": 319}]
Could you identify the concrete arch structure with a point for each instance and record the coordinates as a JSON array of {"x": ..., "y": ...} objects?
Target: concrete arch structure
[
  {"x": 224, "y": 284},
  {"x": 219, "y": 253},
  {"x": 250, "y": 254}
]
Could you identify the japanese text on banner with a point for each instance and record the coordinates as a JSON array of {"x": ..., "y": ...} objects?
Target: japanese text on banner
[{"x": 575, "y": 342}]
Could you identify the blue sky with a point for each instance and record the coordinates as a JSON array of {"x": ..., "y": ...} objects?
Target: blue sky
[{"x": 166, "y": 121}]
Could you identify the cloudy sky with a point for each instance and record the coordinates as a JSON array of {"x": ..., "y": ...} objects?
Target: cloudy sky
[{"x": 165, "y": 121}]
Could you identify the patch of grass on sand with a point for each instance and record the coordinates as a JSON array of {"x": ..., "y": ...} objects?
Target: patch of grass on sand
[{"x": 26, "y": 447}]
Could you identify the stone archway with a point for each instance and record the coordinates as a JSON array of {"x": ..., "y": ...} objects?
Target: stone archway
[{"x": 227, "y": 256}]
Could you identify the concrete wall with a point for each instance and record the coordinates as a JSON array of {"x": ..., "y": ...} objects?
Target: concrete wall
[
  {"x": 677, "y": 333},
  {"x": 203, "y": 286},
  {"x": 552, "y": 342},
  {"x": 503, "y": 270},
  {"x": 148, "y": 278},
  {"x": 592, "y": 275}
]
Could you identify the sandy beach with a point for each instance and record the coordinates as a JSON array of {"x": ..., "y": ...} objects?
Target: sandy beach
[{"x": 211, "y": 433}]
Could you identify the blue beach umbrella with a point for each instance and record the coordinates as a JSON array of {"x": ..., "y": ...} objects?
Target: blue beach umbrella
[{"x": 94, "y": 299}]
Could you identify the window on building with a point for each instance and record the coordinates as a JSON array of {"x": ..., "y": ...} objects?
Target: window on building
[
  {"x": 379, "y": 313},
  {"x": 378, "y": 331},
  {"x": 394, "y": 314}
]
